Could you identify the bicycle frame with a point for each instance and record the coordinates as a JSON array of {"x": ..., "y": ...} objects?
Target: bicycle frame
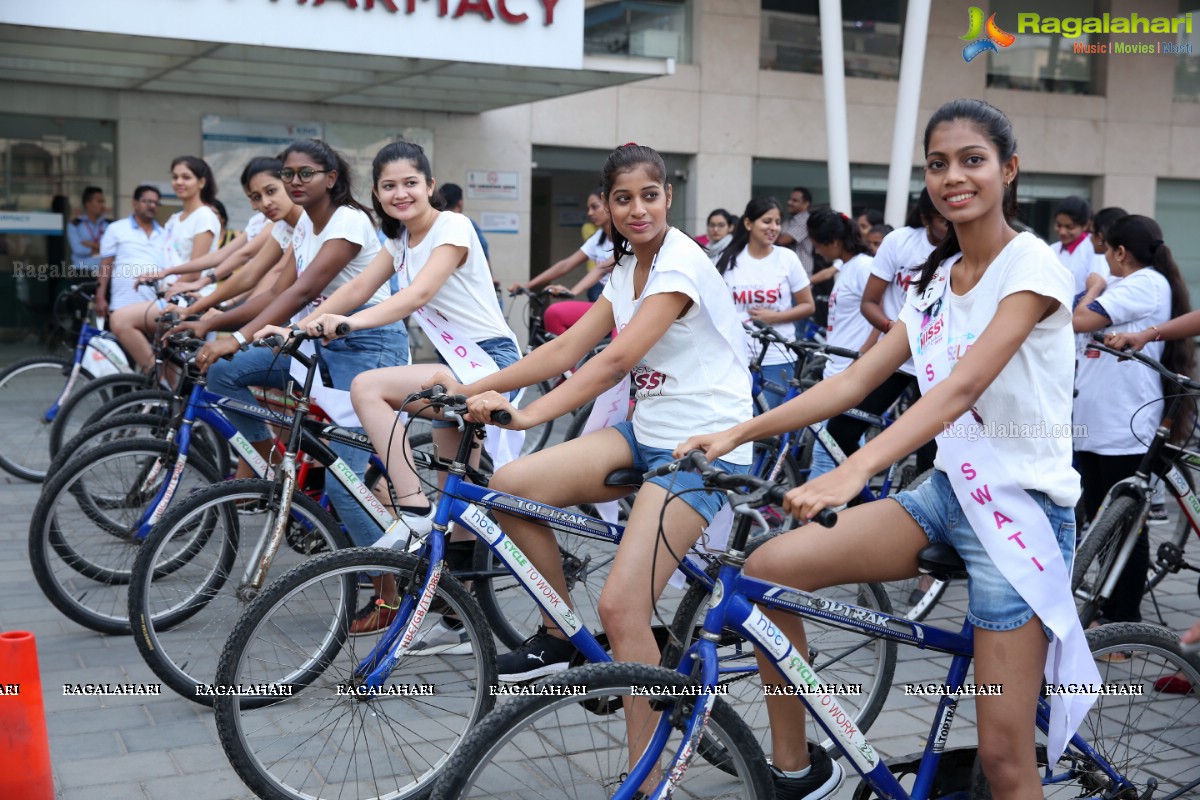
[{"x": 101, "y": 342}]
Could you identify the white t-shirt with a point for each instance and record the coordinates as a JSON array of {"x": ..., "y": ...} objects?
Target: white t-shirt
[
  {"x": 468, "y": 298},
  {"x": 1113, "y": 392},
  {"x": 255, "y": 225},
  {"x": 694, "y": 379},
  {"x": 596, "y": 250},
  {"x": 281, "y": 232},
  {"x": 1081, "y": 262},
  {"x": 848, "y": 327},
  {"x": 899, "y": 260},
  {"x": 347, "y": 223},
  {"x": 134, "y": 254},
  {"x": 1029, "y": 402},
  {"x": 177, "y": 243},
  {"x": 1100, "y": 265},
  {"x": 768, "y": 283}
]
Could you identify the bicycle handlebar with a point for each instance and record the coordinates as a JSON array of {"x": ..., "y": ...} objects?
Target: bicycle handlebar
[
  {"x": 695, "y": 461},
  {"x": 763, "y": 331},
  {"x": 436, "y": 395},
  {"x": 1097, "y": 343}
]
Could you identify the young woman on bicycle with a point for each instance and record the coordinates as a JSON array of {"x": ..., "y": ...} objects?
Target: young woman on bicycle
[
  {"x": 188, "y": 234},
  {"x": 995, "y": 304},
  {"x": 769, "y": 284},
  {"x": 1120, "y": 402},
  {"x": 446, "y": 284},
  {"x": 681, "y": 338},
  {"x": 333, "y": 241}
]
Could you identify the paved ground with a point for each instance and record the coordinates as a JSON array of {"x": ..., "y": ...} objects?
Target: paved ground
[{"x": 161, "y": 748}]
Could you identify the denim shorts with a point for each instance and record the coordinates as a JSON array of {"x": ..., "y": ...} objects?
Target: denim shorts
[
  {"x": 503, "y": 351},
  {"x": 992, "y": 602},
  {"x": 707, "y": 504}
]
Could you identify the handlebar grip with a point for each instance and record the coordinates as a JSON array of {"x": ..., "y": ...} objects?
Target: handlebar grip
[
  {"x": 843, "y": 352},
  {"x": 826, "y": 518},
  {"x": 342, "y": 329},
  {"x": 501, "y": 417},
  {"x": 274, "y": 340}
]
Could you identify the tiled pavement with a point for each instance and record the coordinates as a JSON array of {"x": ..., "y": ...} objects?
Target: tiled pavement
[{"x": 162, "y": 748}]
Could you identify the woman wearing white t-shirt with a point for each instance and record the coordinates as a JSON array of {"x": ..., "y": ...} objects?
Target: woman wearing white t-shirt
[
  {"x": 188, "y": 234},
  {"x": 444, "y": 276},
  {"x": 332, "y": 243},
  {"x": 1074, "y": 246},
  {"x": 990, "y": 322},
  {"x": 1120, "y": 402},
  {"x": 681, "y": 343},
  {"x": 768, "y": 284}
]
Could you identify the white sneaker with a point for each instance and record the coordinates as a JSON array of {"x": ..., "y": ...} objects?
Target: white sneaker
[
  {"x": 408, "y": 532},
  {"x": 442, "y": 639}
]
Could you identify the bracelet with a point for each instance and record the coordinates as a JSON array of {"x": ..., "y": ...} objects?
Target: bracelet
[
  {"x": 240, "y": 338},
  {"x": 1157, "y": 333}
]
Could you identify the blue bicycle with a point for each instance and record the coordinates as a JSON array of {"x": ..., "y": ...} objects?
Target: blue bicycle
[{"x": 569, "y": 735}]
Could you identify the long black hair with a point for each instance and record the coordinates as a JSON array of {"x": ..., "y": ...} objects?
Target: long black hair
[
  {"x": 599, "y": 192},
  {"x": 755, "y": 209},
  {"x": 341, "y": 194},
  {"x": 921, "y": 211},
  {"x": 995, "y": 125},
  {"x": 826, "y": 226},
  {"x": 413, "y": 154},
  {"x": 258, "y": 166},
  {"x": 200, "y": 168},
  {"x": 1143, "y": 239},
  {"x": 627, "y": 158}
]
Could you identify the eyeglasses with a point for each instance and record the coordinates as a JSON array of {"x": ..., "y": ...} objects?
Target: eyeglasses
[
  {"x": 148, "y": 202},
  {"x": 305, "y": 175}
]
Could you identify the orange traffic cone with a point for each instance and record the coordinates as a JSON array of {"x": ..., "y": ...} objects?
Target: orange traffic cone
[{"x": 24, "y": 746}]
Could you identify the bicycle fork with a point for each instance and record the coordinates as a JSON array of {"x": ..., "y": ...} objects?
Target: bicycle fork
[{"x": 267, "y": 547}]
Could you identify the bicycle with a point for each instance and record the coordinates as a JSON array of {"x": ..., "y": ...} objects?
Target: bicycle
[
  {"x": 32, "y": 393},
  {"x": 294, "y": 635},
  {"x": 1106, "y": 547},
  {"x": 540, "y": 745}
]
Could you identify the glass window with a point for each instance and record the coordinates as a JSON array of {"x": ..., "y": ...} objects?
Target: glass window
[
  {"x": 1044, "y": 62},
  {"x": 647, "y": 28},
  {"x": 1187, "y": 61},
  {"x": 1176, "y": 209},
  {"x": 790, "y": 39}
]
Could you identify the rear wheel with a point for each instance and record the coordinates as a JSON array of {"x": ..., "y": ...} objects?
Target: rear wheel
[
  {"x": 28, "y": 392},
  {"x": 1096, "y": 558},
  {"x": 74, "y": 413}
]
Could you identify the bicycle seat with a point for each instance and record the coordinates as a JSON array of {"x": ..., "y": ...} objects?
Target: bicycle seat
[
  {"x": 941, "y": 561},
  {"x": 626, "y": 476}
]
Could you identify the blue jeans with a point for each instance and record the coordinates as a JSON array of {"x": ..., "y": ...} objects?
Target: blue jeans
[{"x": 341, "y": 359}]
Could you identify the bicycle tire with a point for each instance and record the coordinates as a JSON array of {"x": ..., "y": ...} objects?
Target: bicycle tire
[
  {"x": 81, "y": 564},
  {"x": 864, "y": 659},
  {"x": 143, "y": 401},
  {"x": 28, "y": 389},
  {"x": 309, "y": 609},
  {"x": 548, "y": 746},
  {"x": 1144, "y": 736},
  {"x": 73, "y": 415},
  {"x": 779, "y": 468},
  {"x": 1097, "y": 554},
  {"x": 165, "y": 603},
  {"x": 110, "y": 429}
]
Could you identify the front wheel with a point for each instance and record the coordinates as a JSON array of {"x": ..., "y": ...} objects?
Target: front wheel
[
  {"x": 29, "y": 395},
  {"x": 312, "y": 730},
  {"x": 573, "y": 741},
  {"x": 76, "y": 411},
  {"x": 1145, "y": 732},
  {"x": 1096, "y": 559}
]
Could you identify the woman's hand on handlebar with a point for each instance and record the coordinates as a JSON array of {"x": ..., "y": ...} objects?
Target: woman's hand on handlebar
[
  {"x": 830, "y": 490},
  {"x": 219, "y": 348},
  {"x": 196, "y": 328},
  {"x": 713, "y": 445},
  {"x": 271, "y": 330},
  {"x": 1136, "y": 341},
  {"x": 483, "y": 406},
  {"x": 559, "y": 290},
  {"x": 329, "y": 326}
]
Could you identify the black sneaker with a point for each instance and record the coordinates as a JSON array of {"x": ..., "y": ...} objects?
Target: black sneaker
[
  {"x": 539, "y": 655},
  {"x": 822, "y": 780}
]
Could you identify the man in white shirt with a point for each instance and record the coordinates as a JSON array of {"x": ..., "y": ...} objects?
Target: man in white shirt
[{"x": 130, "y": 248}]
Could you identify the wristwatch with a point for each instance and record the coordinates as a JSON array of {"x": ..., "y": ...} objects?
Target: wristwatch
[
  {"x": 241, "y": 340},
  {"x": 211, "y": 274}
]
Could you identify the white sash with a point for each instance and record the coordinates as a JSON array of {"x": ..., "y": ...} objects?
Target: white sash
[
  {"x": 1013, "y": 529},
  {"x": 466, "y": 359}
]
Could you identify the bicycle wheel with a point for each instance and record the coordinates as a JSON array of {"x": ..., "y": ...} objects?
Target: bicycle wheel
[
  {"x": 1097, "y": 554},
  {"x": 74, "y": 413},
  {"x": 28, "y": 389},
  {"x": 838, "y": 655},
  {"x": 538, "y": 436},
  {"x": 1148, "y": 736},
  {"x": 1176, "y": 536},
  {"x": 111, "y": 429},
  {"x": 324, "y": 740},
  {"x": 772, "y": 465},
  {"x": 913, "y": 598},
  {"x": 183, "y": 609},
  {"x": 555, "y": 746},
  {"x": 144, "y": 401},
  {"x": 81, "y": 538}
]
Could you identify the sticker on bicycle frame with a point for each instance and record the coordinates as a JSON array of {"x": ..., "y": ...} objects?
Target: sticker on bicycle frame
[
  {"x": 414, "y": 625},
  {"x": 684, "y": 758},
  {"x": 773, "y": 639},
  {"x": 247, "y": 451},
  {"x": 161, "y": 508},
  {"x": 341, "y": 471},
  {"x": 1180, "y": 484},
  {"x": 547, "y": 597},
  {"x": 477, "y": 520},
  {"x": 718, "y": 594},
  {"x": 528, "y": 508}
]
